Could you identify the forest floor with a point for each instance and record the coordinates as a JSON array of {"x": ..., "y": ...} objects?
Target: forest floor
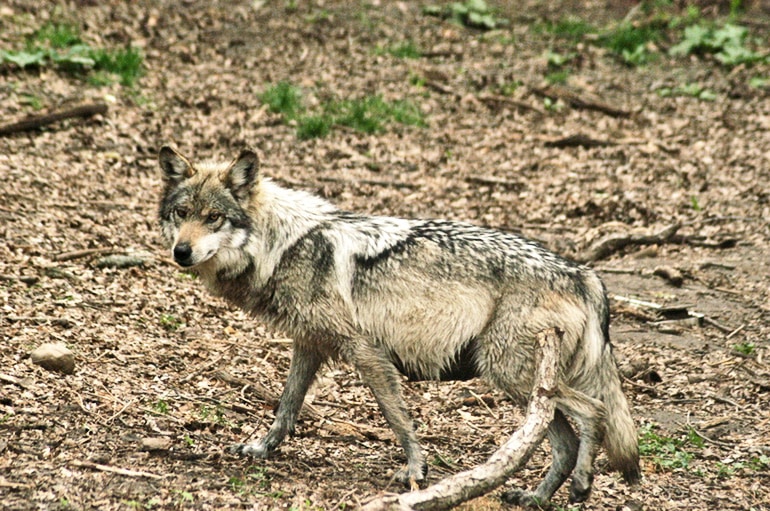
[{"x": 540, "y": 126}]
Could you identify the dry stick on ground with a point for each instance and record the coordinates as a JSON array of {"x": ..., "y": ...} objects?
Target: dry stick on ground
[
  {"x": 77, "y": 254},
  {"x": 580, "y": 102},
  {"x": 579, "y": 140},
  {"x": 39, "y": 121},
  {"x": 614, "y": 242},
  {"x": 115, "y": 470},
  {"x": 464, "y": 486}
]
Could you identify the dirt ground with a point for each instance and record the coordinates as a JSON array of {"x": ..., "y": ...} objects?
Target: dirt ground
[{"x": 167, "y": 377}]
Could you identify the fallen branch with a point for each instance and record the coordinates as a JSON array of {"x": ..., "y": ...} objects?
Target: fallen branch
[
  {"x": 581, "y": 102},
  {"x": 77, "y": 254},
  {"x": 578, "y": 140},
  {"x": 464, "y": 486},
  {"x": 495, "y": 181},
  {"x": 490, "y": 99},
  {"x": 39, "y": 121},
  {"x": 115, "y": 470},
  {"x": 615, "y": 242}
]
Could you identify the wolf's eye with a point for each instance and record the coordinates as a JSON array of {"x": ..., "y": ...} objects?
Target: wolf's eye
[
  {"x": 214, "y": 217},
  {"x": 181, "y": 212}
]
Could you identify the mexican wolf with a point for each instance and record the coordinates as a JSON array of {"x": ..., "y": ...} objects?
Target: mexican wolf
[{"x": 429, "y": 299}]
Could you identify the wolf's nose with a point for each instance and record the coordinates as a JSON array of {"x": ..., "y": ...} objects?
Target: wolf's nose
[{"x": 182, "y": 253}]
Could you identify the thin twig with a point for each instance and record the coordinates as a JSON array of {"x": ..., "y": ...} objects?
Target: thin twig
[
  {"x": 77, "y": 254},
  {"x": 39, "y": 121},
  {"x": 115, "y": 470}
]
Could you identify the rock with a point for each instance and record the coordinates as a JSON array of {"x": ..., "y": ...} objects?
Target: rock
[
  {"x": 54, "y": 357},
  {"x": 155, "y": 444}
]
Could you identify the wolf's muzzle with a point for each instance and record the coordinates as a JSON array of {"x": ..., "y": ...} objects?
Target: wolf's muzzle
[{"x": 183, "y": 254}]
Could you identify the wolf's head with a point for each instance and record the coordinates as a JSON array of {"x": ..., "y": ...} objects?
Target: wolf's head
[{"x": 202, "y": 212}]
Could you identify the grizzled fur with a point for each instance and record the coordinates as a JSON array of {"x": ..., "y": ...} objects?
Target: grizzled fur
[{"x": 428, "y": 299}]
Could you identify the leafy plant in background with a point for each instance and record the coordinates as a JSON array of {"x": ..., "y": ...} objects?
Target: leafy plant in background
[
  {"x": 367, "y": 115},
  {"x": 630, "y": 42},
  {"x": 726, "y": 43},
  {"x": 570, "y": 28},
  {"x": 471, "y": 13},
  {"x": 668, "y": 453},
  {"x": 60, "y": 46},
  {"x": 693, "y": 90}
]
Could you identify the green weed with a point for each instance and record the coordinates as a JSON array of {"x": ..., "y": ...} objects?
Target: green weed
[
  {"x": 668, "y": 453},
  {"x": 314, "y": 126},
  {"x": 471, "y": 13},
  {"x": 171, "y": 322},
  {"x": 692, "y": 90},
  {"x": 629, "y": 42},
  {"x": 725, "y": 43},
  {"x": 570, "y": 28},
  {"x": 160, "y": 406},
  {"x": 60, "y": 46},
  {"x": 745, "y": 348},
  {"x": 283, "y": 98},
  {"x": 405, "y": 50}
]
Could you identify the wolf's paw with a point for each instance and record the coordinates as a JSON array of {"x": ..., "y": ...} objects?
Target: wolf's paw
[
  {"x": 412, "y": 476},
  {"x": 526, "y": 499},
  {"x": 579, "y": 490},
  {"x": 257, "y": 449}
]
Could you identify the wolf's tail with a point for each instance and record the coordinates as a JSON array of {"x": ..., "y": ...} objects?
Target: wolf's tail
[{"x": 620, "y": 439}]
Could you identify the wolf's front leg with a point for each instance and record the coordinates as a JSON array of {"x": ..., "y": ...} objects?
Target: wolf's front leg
[
  {"x": 381, "y": 376},
  {"x": 304, "y": 365}
]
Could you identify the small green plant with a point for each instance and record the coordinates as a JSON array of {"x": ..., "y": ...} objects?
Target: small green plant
[
  {"x": 570, "y": 28},
  {"x": 405, "y": 50},
  {"x": 58, "y": 35},
  {"x": 160, "y": 406},
  {"x": 745, "y": 348},
  {"x": 184, "y": 497},
  {"x": 171, "y": 322},
  {"x": 694, "y": 203},
  {"x": 314, "y": 126},
  {"x": 693, "y": 90},
  {"x": 60, "y": 45},
  {"x": 283, "y": 98},
  {"x": 629, "y": 42},
  {"x": 471, "y": 13},
  {"x": 725, "y": 43},
  {"x": 668, "y": 453},
  {"x": 557, "y": 77}
]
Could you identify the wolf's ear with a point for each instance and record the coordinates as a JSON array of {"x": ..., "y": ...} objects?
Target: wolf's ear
[
  {"x": 175, "y": 166},
  {"x": 242, "y": 174}
]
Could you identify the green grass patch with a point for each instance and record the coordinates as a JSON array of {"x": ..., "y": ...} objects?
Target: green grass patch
[
  {"x": 727, "y": 43},
  {"x": 630, "y": 42},
  {"x": 59, "y": 45},
  {"x": 370, "y": 114},
  {"x": 471, "y": 13},
  {"x": 405, "y": 50},
  {"x": 693, "y": 90},
  {"x": 668, "y": 453},
  {"x": 283, "y": 98},
  {"x": 570, "y": 28}
]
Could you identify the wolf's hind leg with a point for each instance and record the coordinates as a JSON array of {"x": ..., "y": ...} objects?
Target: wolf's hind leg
[
  {"x": 564, "y": 446},
  {"x": 381, "y": 376},
  {"x": 304, "y": 365},
  {"x": 590, "y": 416}
]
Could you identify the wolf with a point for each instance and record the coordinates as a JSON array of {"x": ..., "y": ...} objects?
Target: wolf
[{"x": 424, "y": 299}]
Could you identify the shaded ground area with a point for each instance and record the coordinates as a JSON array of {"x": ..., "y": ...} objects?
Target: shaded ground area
[{"x": 167, "y": 377}]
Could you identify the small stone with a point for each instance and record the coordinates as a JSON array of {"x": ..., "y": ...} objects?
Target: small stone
[
  {"x": 155, "y": 444},
  {"x": 54, "y": 357}
]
